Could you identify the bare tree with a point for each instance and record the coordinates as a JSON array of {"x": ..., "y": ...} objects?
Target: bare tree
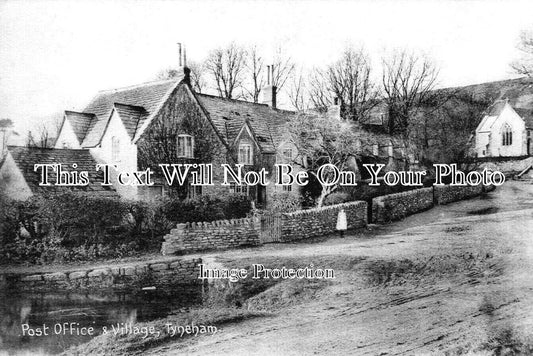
[
  {"x": 524, "y": 65},
  {"x": 255, "y": 66},
  {"x": 297, "y": 92},
  {"x": 227, "y": 68},
  {"x": 321, "y": 142},
  {"x": 283, "y": 66},
  {"x": 348, "y": 80},
  {"x": 408, "y": 81},
  {"x": 198, "y": 80}
]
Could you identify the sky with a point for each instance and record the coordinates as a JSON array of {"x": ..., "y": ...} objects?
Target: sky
[{"x": 56, "y": 55}]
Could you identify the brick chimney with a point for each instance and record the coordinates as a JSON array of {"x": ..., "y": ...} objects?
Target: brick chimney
[{"x": 269, "y": 92}]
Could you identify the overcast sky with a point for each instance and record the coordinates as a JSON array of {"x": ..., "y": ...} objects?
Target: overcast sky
[{"x": 56, "y": 55}]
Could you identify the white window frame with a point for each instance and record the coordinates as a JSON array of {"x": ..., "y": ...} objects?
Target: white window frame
[
  {"x": 115, "y": 149},
  {"x": 194, "y": 191},
  {"x": 243, "y": 189},
  {"x": 287, "y": 188},
  {"x": 248, "y": 158},
  {"x": 287, "y": 158},
  {"x": 187, "y": 149}
]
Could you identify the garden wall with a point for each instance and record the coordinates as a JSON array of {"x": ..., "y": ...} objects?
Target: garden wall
[
  {"x": 219, "y": 234},
  {"x": 134, "y": 276},
  {"x": 448, "y": 194},
  {"x": 399, "y": 205},
  {"x": 304, "y": 224}
]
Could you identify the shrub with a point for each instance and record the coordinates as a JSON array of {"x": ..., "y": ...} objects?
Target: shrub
[
  {"x": 73, "y": 226},
  {"x": 285, "y": 203},
  {"x": 337, "y": 198}
]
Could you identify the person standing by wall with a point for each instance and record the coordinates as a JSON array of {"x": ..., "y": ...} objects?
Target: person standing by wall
[{"x": 341, "y": 222}]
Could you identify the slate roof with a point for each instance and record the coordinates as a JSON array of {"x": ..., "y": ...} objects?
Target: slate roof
[
  {"x": 496, "y": 108},
  {"x": 135, "y": 105},
  {"x": 80, "y": 123},
  {"x": 147, "y": 97},
  {"x": 26, "y": 157},
  {"x": 229, "y": 116},
  {"x": 132, "y": 117},
  {"x": 491, "y": 114}
]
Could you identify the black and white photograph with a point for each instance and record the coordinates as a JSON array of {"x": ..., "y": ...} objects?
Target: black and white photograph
[{"x": 238, "y": 177}]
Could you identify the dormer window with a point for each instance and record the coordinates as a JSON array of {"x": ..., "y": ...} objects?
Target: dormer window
[
  {"x": 507, "y": 135},
  {"x": 287, "y": 155},
  {"x": 115, "y": 149},
  {"x": 246, "y": 154},
  {"x": 185, "y": 146}
]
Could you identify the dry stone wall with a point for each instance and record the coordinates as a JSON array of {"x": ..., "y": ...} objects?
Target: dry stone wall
[
  {"x": 399, "y": 205},
  {"x": 447, "y": 194},
  {"x": 213, "y": 235},
  {"x": 133, "y": 276},
  {"x": 304, "y": 224}
]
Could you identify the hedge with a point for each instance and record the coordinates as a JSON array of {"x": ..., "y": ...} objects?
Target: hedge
[{"x": 76, "y": 226}]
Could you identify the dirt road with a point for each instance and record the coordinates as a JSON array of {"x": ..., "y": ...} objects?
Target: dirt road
[{"x": 454, "y": 280}]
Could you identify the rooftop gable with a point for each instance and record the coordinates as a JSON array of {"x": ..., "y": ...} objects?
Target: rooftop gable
[
  {"x": 131, "y": 116},
  {"x": 230, "y": 115},
  {"x": 26, "y": 157},
  {"x": 142, "y": 101},
  {"x": 80, "y": 123}
]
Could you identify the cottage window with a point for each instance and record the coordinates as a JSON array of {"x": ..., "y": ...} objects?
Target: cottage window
[
  {"x": 115, "y": 149},
  {"x": 194, "y": 191},
  {"x": 507, "y": 135},
  {"x": 239, "y": 189},
  {"x": 185, "y": 146},
  {"x": 245, "y": 154},
  {"x": 287, "y": 155}
]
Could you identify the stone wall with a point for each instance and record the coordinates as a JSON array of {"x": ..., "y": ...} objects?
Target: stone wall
[
  {"x": 508, "y": 166},
  {"x": 132, "y": 276},
  {"x": 304, "y": 224},
  {"x": 448, "y": 194},
  {"x": 399, "y": 205},
  {"x": 218, "y": 234}
]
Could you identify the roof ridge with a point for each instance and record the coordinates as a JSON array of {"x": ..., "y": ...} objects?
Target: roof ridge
[
  {"x": 228, "y": 99},
  {"x": 48, "y": 148},
  {"x": 135, "y": 86},
  {"x": 244, "y": 102}
]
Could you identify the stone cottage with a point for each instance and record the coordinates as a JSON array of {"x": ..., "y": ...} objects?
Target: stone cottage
[
  {"x": 19, "y": 180},
  {"x": 141, "y": 126}
]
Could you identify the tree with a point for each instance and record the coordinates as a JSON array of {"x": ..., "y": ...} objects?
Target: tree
[
  {"x": 227, "y": 68},
  {"x": 524, "y": 65},
  {"x": 198, "y": 80},
  {"x": 297, "y": 92},
  {"x": 320, "y": 141},
  {"x": 282, "y": 68},
  {"x": 444, "y": 128},
  {"x": 408, "y": 82},
  {"x": 347, "y": 80},
  {"x": 255, "y": 67}
]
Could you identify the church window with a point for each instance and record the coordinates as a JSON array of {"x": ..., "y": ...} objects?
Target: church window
[{"x": 507, "y": 135}]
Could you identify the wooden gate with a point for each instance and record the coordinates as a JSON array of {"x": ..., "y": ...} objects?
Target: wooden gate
[{"x": 270, "y": 228}]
